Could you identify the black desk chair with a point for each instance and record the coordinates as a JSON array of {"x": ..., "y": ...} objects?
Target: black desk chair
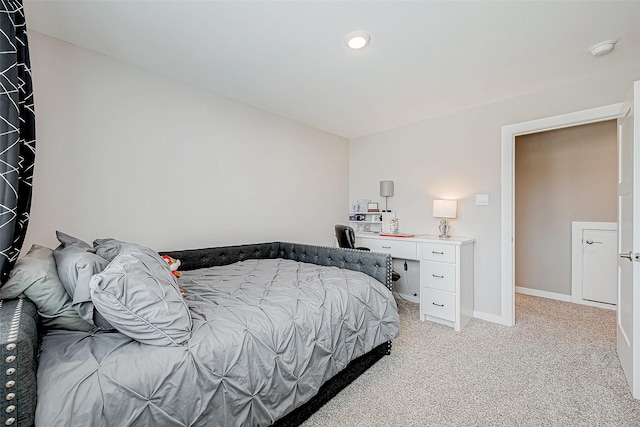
[{"x": 346, "y": 238}]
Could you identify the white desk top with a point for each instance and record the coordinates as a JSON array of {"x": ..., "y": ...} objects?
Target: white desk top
[{"x": 453, "y": 240}]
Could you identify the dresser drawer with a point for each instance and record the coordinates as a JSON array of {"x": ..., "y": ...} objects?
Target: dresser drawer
[
  {"x": 437, "y": 252},
  {"x": 397, "y": 249},
  {"x": 438, "y": 275},
  {"x": 438, "y": 304}
]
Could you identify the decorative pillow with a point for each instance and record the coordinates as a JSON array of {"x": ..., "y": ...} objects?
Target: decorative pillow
[
  {"x": 67, "y": 240},
  {"x": 108, "y": 248},
  {"x": 140, "y": 297},
  {"x": 35, "y": 276},
  {"x": 77, "y": 263}
]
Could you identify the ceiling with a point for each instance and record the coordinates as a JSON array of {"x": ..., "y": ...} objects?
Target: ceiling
[{"x": 425, "y": 59}]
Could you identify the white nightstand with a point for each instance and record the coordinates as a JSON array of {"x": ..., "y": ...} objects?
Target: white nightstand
[{"x": 446, "y": 280}]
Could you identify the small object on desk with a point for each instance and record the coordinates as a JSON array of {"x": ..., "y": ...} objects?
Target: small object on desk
[
  {"x": 396, "y": 235},
  {"x": 387, "y": 217},
  {"x": 393, "y": 225},
  {"x": 372, "y": 207},
  {"x": 362, "y": 205},
  {"x": 445, "y": 209},
  {"x": 386, "y": 191}
]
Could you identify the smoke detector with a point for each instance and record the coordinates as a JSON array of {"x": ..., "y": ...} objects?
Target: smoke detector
[{"x": 602, "y": 48}]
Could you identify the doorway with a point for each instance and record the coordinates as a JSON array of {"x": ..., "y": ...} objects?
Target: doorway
[
  {"x": 561, "y": 176},
  {"x": 509, "y": 134}
]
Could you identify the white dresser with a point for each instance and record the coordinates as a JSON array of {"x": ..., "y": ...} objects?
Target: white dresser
[
  {"x": 446, "y": 281},
  {"x": 446, "y": 273}
]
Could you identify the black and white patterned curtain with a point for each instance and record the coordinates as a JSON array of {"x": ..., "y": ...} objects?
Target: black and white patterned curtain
[{"x": 17, "y": 133}]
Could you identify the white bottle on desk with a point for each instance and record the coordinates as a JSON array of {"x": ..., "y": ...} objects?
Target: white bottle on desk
[{"x": 387, "y": 222}]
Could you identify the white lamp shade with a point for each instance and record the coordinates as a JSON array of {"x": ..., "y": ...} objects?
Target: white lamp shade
[
  {"x": 386, "y": 188},
  {"x": 445, "y": 208}
]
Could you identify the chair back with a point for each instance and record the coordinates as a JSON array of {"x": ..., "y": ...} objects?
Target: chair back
[{"x": 345, "y": 236}]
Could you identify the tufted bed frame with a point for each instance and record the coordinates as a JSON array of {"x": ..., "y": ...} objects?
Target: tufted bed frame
[{"x": 20, "y": 328}]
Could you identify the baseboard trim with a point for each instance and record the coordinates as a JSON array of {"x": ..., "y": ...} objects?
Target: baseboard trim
[
  {"x": 596, "y": 304},
  {"x": 563, "y": 297},
  {"x": 495, "y": 318},
  {"x": 543, "y": 294}
]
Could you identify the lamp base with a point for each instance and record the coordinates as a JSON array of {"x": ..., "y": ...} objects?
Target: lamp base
[{"x": 444, "y": 229}]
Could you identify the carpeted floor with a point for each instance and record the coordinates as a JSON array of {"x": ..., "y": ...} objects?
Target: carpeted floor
[{"x": 557, "y": 367}]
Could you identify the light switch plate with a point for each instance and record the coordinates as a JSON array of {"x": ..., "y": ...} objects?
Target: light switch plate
[{"x": 482, "y": 200}]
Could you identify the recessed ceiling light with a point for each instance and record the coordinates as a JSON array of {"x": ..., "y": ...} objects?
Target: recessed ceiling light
[
  {"x": 357, "y": 39},
  {"x": 602, "y": 48}
]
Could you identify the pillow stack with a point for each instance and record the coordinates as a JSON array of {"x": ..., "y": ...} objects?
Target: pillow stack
[
  {"x": 77, "y": 262},
  {"x": 35, "y": 275},
  {"x": 110, "y": 285}
]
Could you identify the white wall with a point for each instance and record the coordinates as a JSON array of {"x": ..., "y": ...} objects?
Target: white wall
[
  {"x": 457, "y": 156},
  {"x": 125, "y": 153}
]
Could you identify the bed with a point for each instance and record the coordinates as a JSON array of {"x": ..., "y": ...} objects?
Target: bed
[{"x": 276, "y": 329}]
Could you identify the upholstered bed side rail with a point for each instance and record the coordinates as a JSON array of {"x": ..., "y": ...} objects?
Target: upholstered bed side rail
[
  {"x": 193, "y": 259},
  {"x": 19, "y": 354},
  {"x": 376, "y": 265}
]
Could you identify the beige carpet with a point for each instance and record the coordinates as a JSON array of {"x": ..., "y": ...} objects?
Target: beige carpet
[{"x": 557, "y": 367}]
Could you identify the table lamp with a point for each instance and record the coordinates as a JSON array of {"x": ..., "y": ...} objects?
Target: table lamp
[
  {"x": 386, "y": 191},
  {"x": 445, "y": 209}
]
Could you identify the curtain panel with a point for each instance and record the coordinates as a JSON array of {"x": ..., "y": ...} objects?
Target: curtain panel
[{"x": 17, "y": 134}]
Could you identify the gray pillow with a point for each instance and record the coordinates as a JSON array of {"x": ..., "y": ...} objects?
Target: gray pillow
[
  {"x": 77, "y": 263},
  {"x": 35, "y": 275},
  {"x": 67, "y": 240},
  {"x": 108, "y": 248},
  {"x": 140, "y": 297}
]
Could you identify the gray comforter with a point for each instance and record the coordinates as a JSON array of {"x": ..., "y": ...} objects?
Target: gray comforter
[{"x": 266, "y": 334}]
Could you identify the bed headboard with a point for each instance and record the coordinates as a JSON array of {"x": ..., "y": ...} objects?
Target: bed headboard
[{"x": 374, "y": 264}]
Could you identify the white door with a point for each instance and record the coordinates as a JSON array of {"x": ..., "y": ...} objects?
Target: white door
[
  {"x": 600, "y": 266},
  {"x": 628, "y": 319}
]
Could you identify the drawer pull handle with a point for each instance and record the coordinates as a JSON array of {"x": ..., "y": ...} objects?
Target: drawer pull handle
[
  {"x": 437, "y": 253},
  {"x": 437, "y": 305},
  {"x": 437, "y": 277},
  {"x": 386, "y": 247}
]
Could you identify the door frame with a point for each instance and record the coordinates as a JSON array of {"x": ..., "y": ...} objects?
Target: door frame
[{"x": 507, "y": 190}]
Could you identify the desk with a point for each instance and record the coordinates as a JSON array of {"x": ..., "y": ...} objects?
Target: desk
[{"x": 445, "y": 274}]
